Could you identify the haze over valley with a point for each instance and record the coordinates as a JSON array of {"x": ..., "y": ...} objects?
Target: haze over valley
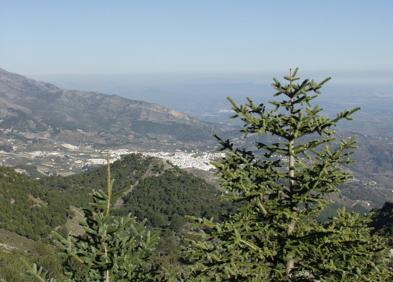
[{"x": 203, "y": 95}]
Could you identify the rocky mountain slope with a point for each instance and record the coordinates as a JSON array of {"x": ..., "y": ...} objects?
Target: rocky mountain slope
[{"x": 37, "y": 110}]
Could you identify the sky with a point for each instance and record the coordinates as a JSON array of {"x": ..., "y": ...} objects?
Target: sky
[{"x": 82, "y": 37}]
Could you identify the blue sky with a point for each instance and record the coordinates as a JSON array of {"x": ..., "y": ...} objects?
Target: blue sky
[{"x": 115, "y": 37}]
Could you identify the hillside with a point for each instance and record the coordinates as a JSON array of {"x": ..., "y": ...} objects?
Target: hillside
[
  {"x": 28, "y": 208},
  {"x": 148, "y": 188},
  {"x": 34, "y": 110},
  {"x": 145, "y": 186}
]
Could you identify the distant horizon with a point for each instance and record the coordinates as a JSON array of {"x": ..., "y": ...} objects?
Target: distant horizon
[
  {"x": 259, "y": 77},
  {"x": 163, "y": 83},
  {"x": 384, "y": 74},
  {"x": 217, "y": 72}
]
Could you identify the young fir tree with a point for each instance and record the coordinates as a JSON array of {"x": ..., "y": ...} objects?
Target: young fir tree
[
  {"x": 111, "y": 248},
  {"x": 280, "y": 188}
]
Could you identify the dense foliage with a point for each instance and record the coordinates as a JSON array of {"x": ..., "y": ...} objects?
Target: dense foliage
[
  {"x": 383, "y": 221},
  {"x": 281, "y": 186},
  {"x": 28, "y": 208},
  {"x": 166, "y": 199}
]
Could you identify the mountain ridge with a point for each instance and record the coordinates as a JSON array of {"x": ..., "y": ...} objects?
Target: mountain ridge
[{"x": 30, "y": 106}]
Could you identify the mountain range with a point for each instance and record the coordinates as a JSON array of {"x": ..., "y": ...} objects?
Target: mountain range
[{"x": 31, "y": 109}]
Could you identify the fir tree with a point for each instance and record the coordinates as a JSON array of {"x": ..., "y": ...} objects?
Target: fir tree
[
  {"x": 111, "y": 248},
  {"x": 280, "y": 188},
  {"x": 37, "y": 274}
]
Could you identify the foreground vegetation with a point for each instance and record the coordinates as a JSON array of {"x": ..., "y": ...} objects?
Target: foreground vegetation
[{"x": 275, "y": 234}]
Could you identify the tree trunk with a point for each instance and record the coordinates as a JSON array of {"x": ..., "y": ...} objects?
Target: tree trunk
[
  {"x": 291, "y": 262},
  {"x": 291, "y": 174}
]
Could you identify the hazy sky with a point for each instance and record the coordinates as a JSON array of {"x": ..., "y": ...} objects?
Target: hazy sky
[{"x": 114, "y": 37}]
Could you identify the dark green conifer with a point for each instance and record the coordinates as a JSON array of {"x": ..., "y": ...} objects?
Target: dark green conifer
[{"x": 280, "y": 187}]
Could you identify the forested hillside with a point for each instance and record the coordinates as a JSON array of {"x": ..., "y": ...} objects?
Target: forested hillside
[
  {"x": 148, "y": 188},
  {"x": 125, "y": 173},
  {"x": 27, "y": 207},
  {"x": 166, "y": 199}
]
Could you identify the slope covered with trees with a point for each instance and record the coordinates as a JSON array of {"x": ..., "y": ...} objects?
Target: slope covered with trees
[
  {"x": 28, "y": 208},
  {"x": 166, "y": 199},
  {"x": 126, "y": 172},
  {"x": 148, "y": 188}
]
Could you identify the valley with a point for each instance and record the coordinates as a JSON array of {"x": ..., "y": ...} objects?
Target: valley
[{"x": 66, "y": 159}]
